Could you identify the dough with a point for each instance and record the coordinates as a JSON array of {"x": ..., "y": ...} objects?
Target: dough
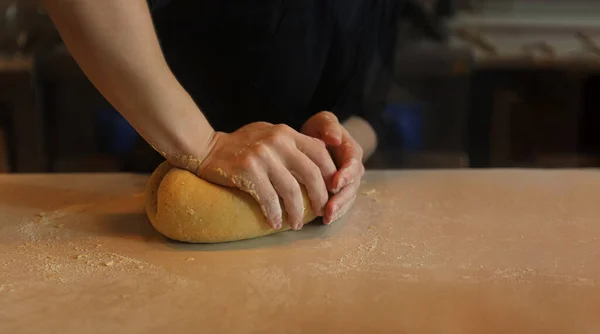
[{"x": 187, "y": 208}]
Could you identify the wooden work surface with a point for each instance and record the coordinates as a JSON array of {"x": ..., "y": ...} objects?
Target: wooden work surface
[{"x": 421, "y": 252}]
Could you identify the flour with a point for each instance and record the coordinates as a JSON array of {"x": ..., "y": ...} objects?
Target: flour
[
  {"x": 6, "y": 288},
  {"x": 356, "y": 259},
  {"x": 43, "y": 225},
  {"x": 270, "y": 277},
  {"x": 63, "y": 263},
  {"x": 513, "y": 274},
  {"x": 324, "y": 245},
  {"x": 370, "y": 192}
]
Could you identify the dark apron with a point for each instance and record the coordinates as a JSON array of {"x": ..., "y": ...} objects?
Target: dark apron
[{"x": 279, "y": 61}]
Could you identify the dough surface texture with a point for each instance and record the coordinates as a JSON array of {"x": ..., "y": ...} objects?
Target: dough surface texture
[{"x": 184, "y": 207}]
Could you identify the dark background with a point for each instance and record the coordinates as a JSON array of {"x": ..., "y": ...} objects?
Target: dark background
[{"x": 446, "y": 107}]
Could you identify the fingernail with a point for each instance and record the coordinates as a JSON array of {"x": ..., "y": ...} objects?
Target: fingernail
[
  {"x": 277, "y": 226},
  {"x": 331, "y": 217},
  {"x": 335, "y": 216}
]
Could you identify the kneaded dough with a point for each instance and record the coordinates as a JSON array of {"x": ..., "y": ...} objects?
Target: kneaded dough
[{"x": 187, "y": 208}]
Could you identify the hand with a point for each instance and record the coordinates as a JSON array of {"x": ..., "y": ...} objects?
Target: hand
[
  {"x": 346, "y": 153},
  {"x": 270, "y": 162}
]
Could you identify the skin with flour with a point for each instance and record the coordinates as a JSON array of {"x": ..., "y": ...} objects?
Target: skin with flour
[
  {"x": 186, "y": 208},
  {"x": 116, "y": 46}
]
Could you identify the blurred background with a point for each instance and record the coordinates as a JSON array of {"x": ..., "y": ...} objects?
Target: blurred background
[{"x": 475, "y": 84}]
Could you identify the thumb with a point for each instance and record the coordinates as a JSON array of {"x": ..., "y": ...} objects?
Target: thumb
[{"x": 326, "y": 127}]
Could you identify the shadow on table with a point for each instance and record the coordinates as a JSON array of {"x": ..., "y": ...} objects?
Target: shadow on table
[
  {"x": 107, "y": 213},
  {"x": 69, "y": 210},
  {"x": 120, "y": 225},
  {"x": 315, "y": 231}
]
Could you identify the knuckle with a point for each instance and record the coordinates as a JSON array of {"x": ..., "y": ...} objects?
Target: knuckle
[
  {"x": 313, "y": 175},
  {"x": 282, "y": 128},
  {"x": 319, "y": 142},
  {"x": 281, "y": 131},
  {"x": 261, "y": 150},
  {"x": 316, "y": 146},
  {"x": 327, "y": 115},
  {"x": 291, "y": 192},
  {"x": 248, "y": 162}
]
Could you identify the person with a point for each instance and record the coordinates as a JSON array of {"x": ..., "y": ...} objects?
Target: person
[{"x": 264, "y": 96}]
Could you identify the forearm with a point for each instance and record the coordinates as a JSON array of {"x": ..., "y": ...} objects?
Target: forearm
[
  {"x": 363, "y": 133},
  {"x": 115, "y": 44}
]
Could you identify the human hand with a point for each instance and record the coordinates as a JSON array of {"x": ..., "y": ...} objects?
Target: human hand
[
  {"x": 270, "y": 162},
  {"x": 346, "y": 153}
]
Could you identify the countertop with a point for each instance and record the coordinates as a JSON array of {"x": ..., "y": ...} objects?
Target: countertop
[{"x": 463, "y": 251}]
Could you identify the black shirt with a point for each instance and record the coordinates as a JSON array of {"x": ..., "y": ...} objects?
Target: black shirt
[{"x": 279, "y": 61}]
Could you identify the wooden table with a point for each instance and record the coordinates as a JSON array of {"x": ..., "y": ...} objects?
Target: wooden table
[{"x": 422, "y": 252}]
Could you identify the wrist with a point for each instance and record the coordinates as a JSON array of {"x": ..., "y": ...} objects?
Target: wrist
[
  {"x": 177, "y": 129},
  {"x": 192, "y": 145},
  {"x": 194, "y": 150}
]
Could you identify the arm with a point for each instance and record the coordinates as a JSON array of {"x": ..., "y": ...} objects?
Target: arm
[
  {"x": 115, "y": 44},
  {"x": 363, "y": 133}
]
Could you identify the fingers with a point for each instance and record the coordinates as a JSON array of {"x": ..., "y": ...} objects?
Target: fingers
[
  {"x": 317, "y": 153},
  {"x": 349, "y": 157},
  {"x": 261, "y": 189},
  {"x": 350, "y": 173},
  {"x": 340, "y": 203},
  {"x": 325, "y": 126},
  {"x": 289, "y": 190},
  {"x": 309, "y": 174},
  {"x": 307, "y": 160},
  {"x": 346, "y": 181},
  {"x": 281, "y": 167},
  {"x": 270, "y": 162}
]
